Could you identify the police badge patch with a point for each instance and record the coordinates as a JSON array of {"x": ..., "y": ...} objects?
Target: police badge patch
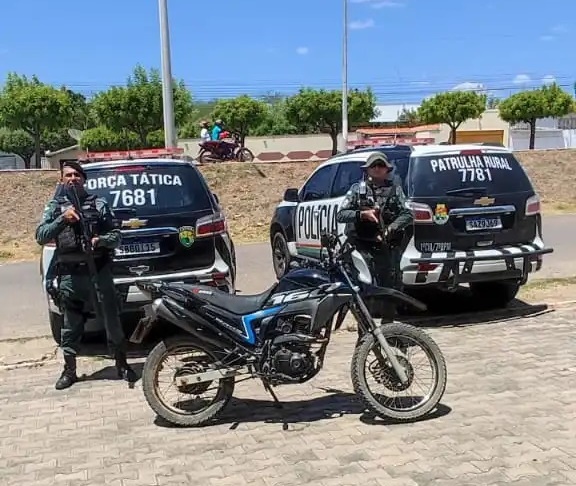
[
  {"x": 441, "y": 214},
  {"x": 187, "y": 235}
]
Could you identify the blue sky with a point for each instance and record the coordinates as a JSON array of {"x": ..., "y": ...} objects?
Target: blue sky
[{"x": 404, "y": 49}]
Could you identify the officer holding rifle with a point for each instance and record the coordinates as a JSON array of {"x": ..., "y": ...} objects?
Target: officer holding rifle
[
  {"x": 82, "y": 226},
  {"x": 377, "y": 218}
]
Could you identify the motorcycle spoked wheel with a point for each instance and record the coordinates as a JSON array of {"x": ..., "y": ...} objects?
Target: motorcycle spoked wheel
[
  {"x": 208, "y": 157},
  {"x": 388, "y": 378},
  {"x": 152, "y": 368},
  {"x": 244, "y": 155}
]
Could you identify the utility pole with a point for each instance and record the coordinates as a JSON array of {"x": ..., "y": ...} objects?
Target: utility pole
[
  {"x": 170, "y": 139},
  {"x": 344, "y": 139}
]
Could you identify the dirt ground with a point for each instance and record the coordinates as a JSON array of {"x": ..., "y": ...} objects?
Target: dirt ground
[{"x": 249, "y": 194}]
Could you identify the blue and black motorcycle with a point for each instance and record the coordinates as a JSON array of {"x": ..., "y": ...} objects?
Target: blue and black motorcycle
[{"x": 280, "y": 337}]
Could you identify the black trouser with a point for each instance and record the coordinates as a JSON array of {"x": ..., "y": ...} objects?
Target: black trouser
[{"x": 384, "y": 265}]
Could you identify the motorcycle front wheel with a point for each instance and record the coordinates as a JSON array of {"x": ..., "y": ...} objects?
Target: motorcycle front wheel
[
  {"x": 188, "y": 409},
  {"x": 388, "y": 397},
  {"x": 245, "y": 155}
]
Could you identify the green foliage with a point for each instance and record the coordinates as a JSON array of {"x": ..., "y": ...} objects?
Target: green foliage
[
  {"x": 452, "y": 108},
  {"x": 409, "y": 117},
  {"x": 275, "y": 122},
  {"x": 240, "y": 114},
  {"x": 17, "y": 142},
  {"x": 103, "y": 138},
  {"x": 321, "y": 111},
  {"x": 529, "y": 106},
  {"x": 35, "y": 107},
  {"x": 138, "y": 106}
]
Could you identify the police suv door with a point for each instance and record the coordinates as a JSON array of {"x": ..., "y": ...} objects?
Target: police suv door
[{"x": 315, "y": 212}]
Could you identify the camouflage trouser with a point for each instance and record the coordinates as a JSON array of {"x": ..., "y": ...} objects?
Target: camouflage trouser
[{"x": 76, "y": 301}]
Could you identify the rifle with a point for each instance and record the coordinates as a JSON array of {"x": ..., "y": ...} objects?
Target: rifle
[
  {"x": 385, "y": 215},
  {"x": 86, "y": 243}
]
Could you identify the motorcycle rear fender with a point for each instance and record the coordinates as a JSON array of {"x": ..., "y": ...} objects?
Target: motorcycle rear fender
[{"x": 393, "y": 294}]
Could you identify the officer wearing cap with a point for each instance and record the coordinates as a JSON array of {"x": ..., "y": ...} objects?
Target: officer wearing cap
[
  {"x": 60, "y": 224},
  {"x": 376, "y": 217}
]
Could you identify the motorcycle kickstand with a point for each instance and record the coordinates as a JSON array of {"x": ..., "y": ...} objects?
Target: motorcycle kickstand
[{"x": 268, "y": 388}]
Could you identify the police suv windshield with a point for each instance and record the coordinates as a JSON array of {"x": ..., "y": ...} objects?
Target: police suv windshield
[
  {"x": 150, "y": 189},
  {"x": 494, "y": 173}
]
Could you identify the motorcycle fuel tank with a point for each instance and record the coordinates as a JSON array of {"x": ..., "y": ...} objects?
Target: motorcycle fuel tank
[{"x": 302, "y": 278}]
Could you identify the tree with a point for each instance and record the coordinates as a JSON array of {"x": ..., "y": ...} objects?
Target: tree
[
  {"x": 492, "y": 103},
  {"x": 103, "y": 139},
  {"x": 529, "y": 106},
  {"x": 240, "y": 114},
  {"x": 17, "y": 142},
  {"x": 409, "y": 117},
  {"x": 452, "y": 108},
  {"x": 35, "y": 107},
  {"x": 138, "y": 107},
  {"x": 321, "y": 111},
  {"x": 275, "y": 122}
]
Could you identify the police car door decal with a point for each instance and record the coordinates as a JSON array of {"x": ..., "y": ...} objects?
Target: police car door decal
[{"x": 312, "y": 219}]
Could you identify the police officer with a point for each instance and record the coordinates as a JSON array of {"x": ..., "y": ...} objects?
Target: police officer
[
  {"x": 376, "y": 219},
  {"x": 60, "y": 223}
]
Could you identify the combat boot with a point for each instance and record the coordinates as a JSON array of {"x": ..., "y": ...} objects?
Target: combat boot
[
  {"x": 68, "y": 376},
  {"x": 123, "y": 368}
]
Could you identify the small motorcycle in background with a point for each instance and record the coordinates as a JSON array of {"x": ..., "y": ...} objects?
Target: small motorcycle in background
[{"x": 224, "y": 151}]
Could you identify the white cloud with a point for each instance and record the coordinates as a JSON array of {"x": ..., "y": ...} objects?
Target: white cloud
[
  {"x": 302, "y": 51},
  {"x": 380, "y": 3},
  {"x": 547, "y": 38},
  {"x": 362, "y": 24},
  {"x": 470, "y": 86},
  {"x": 420, "y": 83},
  {"x": 387, "y": 4},
  {"x": 559, "y": 29},
  {"x": 521, "y": 79},
  {"x": 549, "y": 79}
]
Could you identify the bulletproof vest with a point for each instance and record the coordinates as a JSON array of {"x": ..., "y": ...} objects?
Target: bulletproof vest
[
  {"x": 68, "y": 242},
  {"x": 384, "y": 198}
]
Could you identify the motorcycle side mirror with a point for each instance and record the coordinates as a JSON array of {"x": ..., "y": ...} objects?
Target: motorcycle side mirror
[{"x": 291, "y": 195}]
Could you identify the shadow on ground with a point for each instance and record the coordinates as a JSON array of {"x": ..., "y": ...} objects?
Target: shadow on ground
[
  {"x": 461, "y": 308},
  {"x": 296, "y": 415}
]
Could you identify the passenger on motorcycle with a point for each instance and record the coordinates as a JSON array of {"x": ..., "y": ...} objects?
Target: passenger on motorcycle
[{"x": 204, "y": 133}]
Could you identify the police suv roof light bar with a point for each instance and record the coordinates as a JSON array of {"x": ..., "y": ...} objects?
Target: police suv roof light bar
[{"x": 131, "y": 154}]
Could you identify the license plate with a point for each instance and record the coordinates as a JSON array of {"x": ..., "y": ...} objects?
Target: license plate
[
  {"x": 477, "y": 224},
  {"x": 138, "y": 248}
]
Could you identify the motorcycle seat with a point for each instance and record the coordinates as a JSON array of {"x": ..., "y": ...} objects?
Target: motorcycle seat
[{"x": 236, "y": 304}]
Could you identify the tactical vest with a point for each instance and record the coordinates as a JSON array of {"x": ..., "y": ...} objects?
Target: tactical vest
[
  {"x": 387, "y": 201},
  {"x": 68, "y": 242}
]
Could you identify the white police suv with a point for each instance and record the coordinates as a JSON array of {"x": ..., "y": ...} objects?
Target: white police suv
[{"x": 476, "y": 214}]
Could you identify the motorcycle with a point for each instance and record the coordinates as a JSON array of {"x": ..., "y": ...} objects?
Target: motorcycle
[
  {"x": 222, "y": 151},
  {"x": 280, "y": 337}
]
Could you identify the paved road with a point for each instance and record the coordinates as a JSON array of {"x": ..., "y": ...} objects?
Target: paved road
[
  {"x": 24, "y": 314},
  {"x": 507, "y": 418}
]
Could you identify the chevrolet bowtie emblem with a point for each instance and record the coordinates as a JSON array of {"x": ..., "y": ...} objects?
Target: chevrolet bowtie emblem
[
  {"x": 484, "y": 201},
  {"x": 134, "y": 223}
]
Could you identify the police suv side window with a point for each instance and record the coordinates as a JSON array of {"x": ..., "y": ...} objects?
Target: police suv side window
[
  {"x": 348, "y": 174},
  {"x": 318, "y": 186}
]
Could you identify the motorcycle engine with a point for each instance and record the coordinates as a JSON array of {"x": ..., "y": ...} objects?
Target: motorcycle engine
[
  {"x": 293, "y": 360},
  {"x": 299, "y": 324}
]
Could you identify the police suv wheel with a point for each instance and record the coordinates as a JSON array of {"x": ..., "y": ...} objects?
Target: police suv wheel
[
  {"x": 495, "y": 294},
  {"x": 280, "y": 255},
  {"x": 56, "y": 322}
]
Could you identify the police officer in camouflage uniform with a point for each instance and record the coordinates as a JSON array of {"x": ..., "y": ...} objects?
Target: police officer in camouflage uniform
[
  {"x": 377, "y": 221},
  {"x": 60, "y": 223}
]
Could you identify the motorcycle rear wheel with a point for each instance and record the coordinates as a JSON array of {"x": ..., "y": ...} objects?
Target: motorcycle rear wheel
[
  {"x": 368, "y": 397},
  {"x": 152, "y": 367}
]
